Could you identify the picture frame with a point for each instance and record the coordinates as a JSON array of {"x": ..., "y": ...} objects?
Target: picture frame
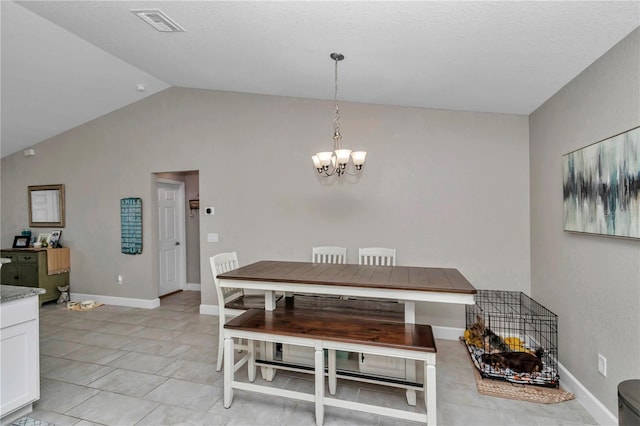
[
  {"x": 601, "y": 192},
  {"x": 54, "y": 241},
  {"x": 44, "y": 237},
  {"x": 21, "y": 241}
]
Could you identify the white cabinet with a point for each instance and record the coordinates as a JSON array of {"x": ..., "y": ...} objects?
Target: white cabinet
[{"x": 19, "y": 357}]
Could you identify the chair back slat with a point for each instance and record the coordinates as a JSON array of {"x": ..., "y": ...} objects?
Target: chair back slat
[
  {"x": 221, "y": 263},
  {"x": 329, "y": 254},
  {"x": 378, "y": 256}
]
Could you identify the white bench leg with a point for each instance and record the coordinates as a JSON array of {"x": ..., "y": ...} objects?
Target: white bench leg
[
  {"x": 251, "y": 367},
  {"x": 430, "y": 393},
  {"x": 228, "y": 371},
  {"x": 319, "y": 373},
  {"x": 332, "y": 372}
]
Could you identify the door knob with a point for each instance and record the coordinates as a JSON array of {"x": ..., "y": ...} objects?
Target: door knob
[{"x": 177, "y": 243}]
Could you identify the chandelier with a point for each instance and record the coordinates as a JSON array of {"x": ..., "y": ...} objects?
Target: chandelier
[{"x": 336, "y": 162}]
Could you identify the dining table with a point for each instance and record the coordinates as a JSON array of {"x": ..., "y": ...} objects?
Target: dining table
[{"x": 405, "y": 284}]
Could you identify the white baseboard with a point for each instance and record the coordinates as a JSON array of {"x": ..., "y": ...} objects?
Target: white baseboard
[
  {"x": 590, "y": 403},
  {"x": 7, "y": 419},
  {"x": 192, "y": 287},
  {"x": 118, "y": 301},
  {"x": 209, "y": 310}
]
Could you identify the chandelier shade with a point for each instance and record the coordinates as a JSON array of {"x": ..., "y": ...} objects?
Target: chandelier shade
[{"x": 336, "y": 162}]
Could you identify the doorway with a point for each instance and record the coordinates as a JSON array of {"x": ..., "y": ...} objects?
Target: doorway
[
  {"x": 178, "y": 231},
  {"x": 171, "y": 236}
]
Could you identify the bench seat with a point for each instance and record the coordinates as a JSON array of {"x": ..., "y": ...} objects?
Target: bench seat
[
  {"x": 333, "y": 332},
  {"x": 388, "y": 310}
]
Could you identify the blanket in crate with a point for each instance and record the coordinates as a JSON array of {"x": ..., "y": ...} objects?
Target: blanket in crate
[{"x": 547, "y": 377}]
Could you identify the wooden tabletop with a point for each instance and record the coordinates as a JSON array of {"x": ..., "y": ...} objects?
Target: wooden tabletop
[{"x": 382, "y": 277}]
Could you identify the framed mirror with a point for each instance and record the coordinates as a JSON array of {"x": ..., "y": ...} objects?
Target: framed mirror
[{"x": 46, "y": 206}]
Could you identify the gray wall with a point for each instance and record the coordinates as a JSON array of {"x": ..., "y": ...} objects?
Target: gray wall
[
  {"x": 592, "y": 282},
  {"x": 444, "y": 188}
]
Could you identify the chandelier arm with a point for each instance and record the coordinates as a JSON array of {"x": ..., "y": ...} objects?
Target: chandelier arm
[{"x": 352, "y": 173}]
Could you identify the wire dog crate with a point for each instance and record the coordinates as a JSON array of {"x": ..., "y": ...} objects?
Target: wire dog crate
[{"x": 503, "y": 322}]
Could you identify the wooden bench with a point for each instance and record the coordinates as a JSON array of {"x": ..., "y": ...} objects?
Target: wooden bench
[
  {"x": 332, "y": 332},
  {"x": 355, "y": 308}
]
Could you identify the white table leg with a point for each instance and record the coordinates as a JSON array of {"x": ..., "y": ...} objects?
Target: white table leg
[
  {"x": 269, "y": 300},
  {"x": 409, "y": 311},
  {"x": 332, "y": 371},
  {"x": 228, "y": 371},
  {"x": 430, "y": 393},
  {"x": 268, "y": 373},
  {"x": 410, "y": 366},
  {"x": 319, "y": 373},
  {"x": 251, "y": 367}
]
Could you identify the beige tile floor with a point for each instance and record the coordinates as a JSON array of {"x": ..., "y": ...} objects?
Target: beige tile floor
[{"x": 126, "y": 366}]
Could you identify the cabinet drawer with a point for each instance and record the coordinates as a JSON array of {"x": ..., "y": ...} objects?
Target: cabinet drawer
[
  {"x": 28, "y": 258},
  {"x": 20, "y": 257},
  {"x": 12, "y": 256}
]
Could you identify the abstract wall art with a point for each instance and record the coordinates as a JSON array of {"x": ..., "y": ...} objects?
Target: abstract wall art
[{"x": 601, "y": 187}]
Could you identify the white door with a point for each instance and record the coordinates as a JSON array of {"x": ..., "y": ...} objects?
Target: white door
[{"x": 171, "y": 236}]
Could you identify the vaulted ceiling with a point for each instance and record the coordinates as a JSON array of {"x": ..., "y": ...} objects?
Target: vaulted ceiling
[{"x": 65, "y": 63}]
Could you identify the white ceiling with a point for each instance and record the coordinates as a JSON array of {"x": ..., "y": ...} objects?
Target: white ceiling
[{"x": 67, "y": 62}]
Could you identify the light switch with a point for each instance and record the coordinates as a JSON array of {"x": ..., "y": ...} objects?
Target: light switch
[{"x": 212, "y": 237}]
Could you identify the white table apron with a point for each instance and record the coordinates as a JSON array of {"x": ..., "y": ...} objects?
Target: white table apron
[
  {"x": 270, "y": 288},
  {"x": 429, "y": 380},
  {"x": 408, "y": 297}
]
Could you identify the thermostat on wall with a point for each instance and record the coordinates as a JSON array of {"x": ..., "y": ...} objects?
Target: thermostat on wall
[{"x": 208, "y": 211}]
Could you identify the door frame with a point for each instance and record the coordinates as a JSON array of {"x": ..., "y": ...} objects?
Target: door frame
[{"x": 182, "y": 230}]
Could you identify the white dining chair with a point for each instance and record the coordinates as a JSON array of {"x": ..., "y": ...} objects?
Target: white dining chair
[
  {"x": 378, "y": 256},
  {"x": 231, "y": 301},
  {"x": 329, "y": 254},
  {"x": 378, "y": 364}
]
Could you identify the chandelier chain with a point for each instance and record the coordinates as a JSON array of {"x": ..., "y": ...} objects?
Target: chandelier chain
[{"x": 336, "y": 117}]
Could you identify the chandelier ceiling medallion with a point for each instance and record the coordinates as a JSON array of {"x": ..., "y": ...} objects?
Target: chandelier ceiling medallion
[{"x": 336, "y": 162}]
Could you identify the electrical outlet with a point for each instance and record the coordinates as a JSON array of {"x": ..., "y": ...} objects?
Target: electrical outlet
[
  {"x": 119, "y": 279},
  {"x": 602, "y": 365}
]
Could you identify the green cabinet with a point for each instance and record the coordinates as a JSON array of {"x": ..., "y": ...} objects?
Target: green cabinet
[{"x": 28, "y": 268}]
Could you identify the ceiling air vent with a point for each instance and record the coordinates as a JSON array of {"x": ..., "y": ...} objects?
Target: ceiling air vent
[{"x": 158, "y": 20}]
